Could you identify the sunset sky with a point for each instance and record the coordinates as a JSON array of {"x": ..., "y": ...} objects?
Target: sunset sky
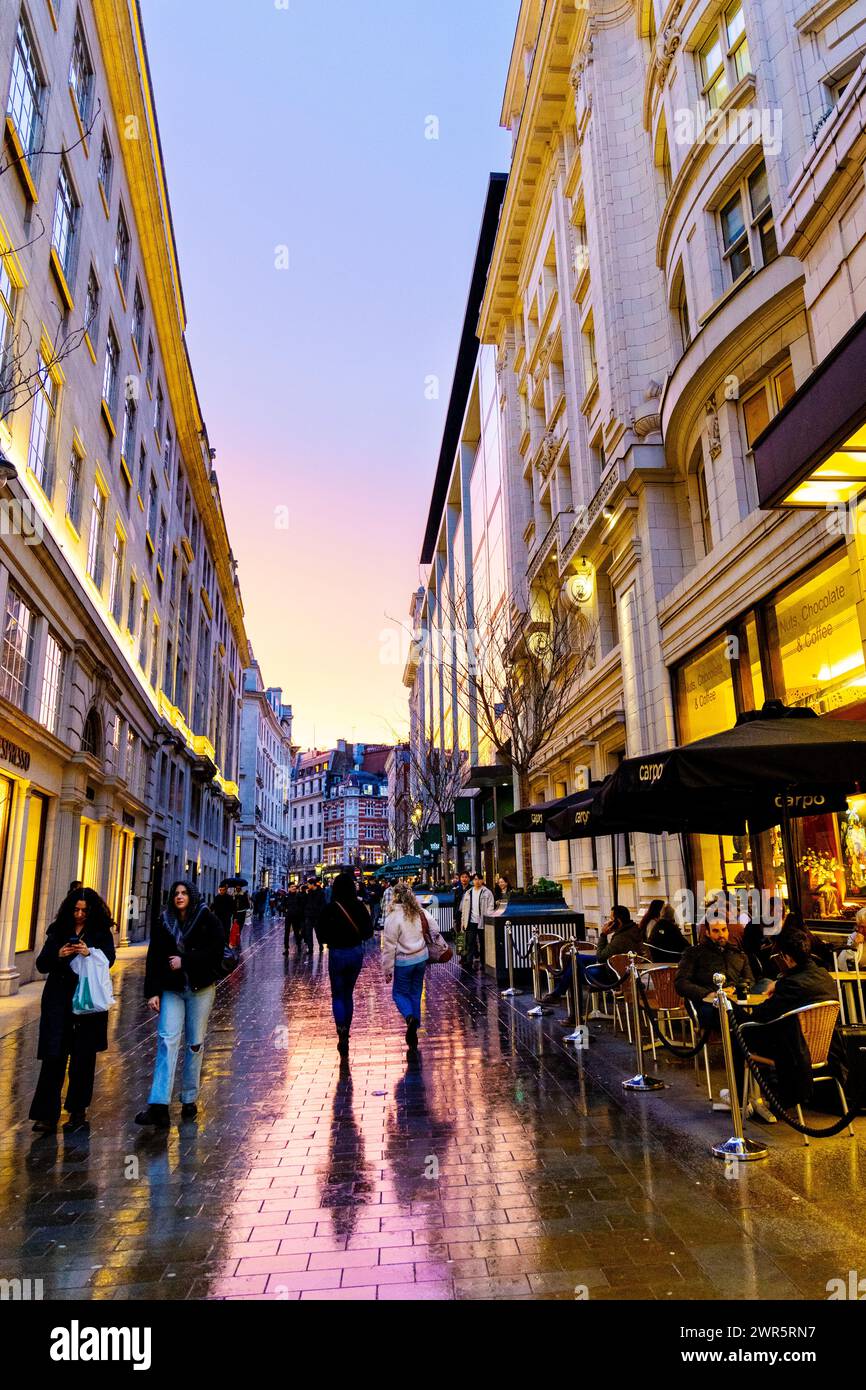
[{"x": 298, "y": 134}]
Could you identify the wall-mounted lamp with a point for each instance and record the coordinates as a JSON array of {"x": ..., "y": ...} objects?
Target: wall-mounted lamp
[{"x": 579, "y": 587}]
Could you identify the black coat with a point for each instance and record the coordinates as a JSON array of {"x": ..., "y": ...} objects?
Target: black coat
[
  {"x": 784, "y": 1042},
  {"x": 223, "y": 907},
  {"x": 201, "y": 953},
  {"x": 700, "y": 963},
  {"x": 314, "y": 906},
  {"x": 333, "y": 928},
  {"x": 665, "y": 941},
  {"x": 60, "y": 1030}
]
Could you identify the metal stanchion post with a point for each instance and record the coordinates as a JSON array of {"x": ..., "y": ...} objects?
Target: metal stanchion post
[
  {"x": 640, "y": 1082},
  {"x": 539, "y": 1011},
  {"x": 580, "y": 1036},
  {"x": 509, "y": 956},
  {"x": 738, "y": 1147}
]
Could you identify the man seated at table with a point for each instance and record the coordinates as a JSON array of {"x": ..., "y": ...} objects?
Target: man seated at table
[
  {"x": 715, "y": 954},
  {"x": 801, "y": 981},
  {"x": 619, "y": 936}
]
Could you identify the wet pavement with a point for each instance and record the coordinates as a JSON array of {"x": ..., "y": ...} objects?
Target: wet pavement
[{"x": 497, "y": 1165}]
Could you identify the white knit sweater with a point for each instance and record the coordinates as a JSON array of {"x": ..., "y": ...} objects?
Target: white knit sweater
[{"x": 402, "y": 939}]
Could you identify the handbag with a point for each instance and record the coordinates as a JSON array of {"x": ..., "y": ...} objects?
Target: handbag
[
  {"x": 438, "y": 950},
  {"x": 93, "y": 993}
]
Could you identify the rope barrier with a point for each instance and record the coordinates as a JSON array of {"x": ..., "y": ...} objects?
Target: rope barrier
[{"x": 775, "y": 1105}]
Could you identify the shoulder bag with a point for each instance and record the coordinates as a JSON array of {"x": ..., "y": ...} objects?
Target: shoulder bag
[{"x": 438, "y": 949}]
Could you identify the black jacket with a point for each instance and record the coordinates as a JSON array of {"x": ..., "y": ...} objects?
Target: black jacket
[
  {"x": 783, "y": 1041},
  {"x": 201, "y": 953},
  {"x": 61, "y": 1031},
  {"x": 314, "y": 906},
  {"x": 334, "y": 929},
  {"x": 665, "y": 941},
  {"x": 294, "y": 908},
  {"x": 700, "y": 963},
  {"x": 223, "y": 907},
  {"x": 620, "y": 942}
]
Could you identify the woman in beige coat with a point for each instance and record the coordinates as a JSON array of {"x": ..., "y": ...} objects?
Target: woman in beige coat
[{"x": 405, "y": 956}]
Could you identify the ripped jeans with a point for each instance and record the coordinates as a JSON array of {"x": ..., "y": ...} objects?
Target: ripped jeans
[{"x": 188, "y": 1011}]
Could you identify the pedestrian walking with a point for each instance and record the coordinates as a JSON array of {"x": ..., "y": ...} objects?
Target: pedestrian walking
[
  {"x": 405, "y": 956},
  {"x": 293, "y": 919},
  {"x": 223, "y": 907},
  {"x": 314, "y": 906},
  {"x": 184, "y": 962},
  {"x": 475, "y": 904},
  {"x": 343, "y": 926},
  {"x": 83, "y": 925}
]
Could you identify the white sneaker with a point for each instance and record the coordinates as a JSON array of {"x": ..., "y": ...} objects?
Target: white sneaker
[{"x": 758, "y": 1110}]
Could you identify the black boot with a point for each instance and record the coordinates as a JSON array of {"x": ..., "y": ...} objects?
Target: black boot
[
  {"x": 156, "y": 1115},
  {"x": 189, "y": 1110},
  {"x": 412, "y": 1033},
  {"x": 343, "y": 1041}
]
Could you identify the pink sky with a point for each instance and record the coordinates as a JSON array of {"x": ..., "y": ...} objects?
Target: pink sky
[{"x": 305, "y": 129}]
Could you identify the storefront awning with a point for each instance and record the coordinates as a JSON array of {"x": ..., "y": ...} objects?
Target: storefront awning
[
  {"x": 495, "y": 775},
  {"x": 813, "y": 454}
]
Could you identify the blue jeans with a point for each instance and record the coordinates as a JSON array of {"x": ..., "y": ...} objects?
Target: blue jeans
[
  {"x": 188, "y": 1011},
  {"x": 408, "y": 985},
  {"x": 344, "y": 967}
]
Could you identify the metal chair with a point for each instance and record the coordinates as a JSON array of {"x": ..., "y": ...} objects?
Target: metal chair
[
  {"x": 620, "y": 993},
  {"x": 669, "y": 1008},
  {"x": 547, "y": 948},
  {"x": 817, "y": 1022}
]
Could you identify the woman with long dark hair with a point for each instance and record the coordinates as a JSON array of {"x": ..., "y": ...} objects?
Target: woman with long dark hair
[
  {"x": 343, "y": 925},
  {"x": 83, "y": 924},
  {"x": 184, "y": 962}
]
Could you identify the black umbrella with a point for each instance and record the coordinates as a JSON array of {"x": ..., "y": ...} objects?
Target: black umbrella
[
  {"x": 531, "y": 820},
  {"x": 234, "y": 882},
  {"x": 775, "y": 764}
]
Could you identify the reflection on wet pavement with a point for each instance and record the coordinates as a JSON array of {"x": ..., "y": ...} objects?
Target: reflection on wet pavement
[{"x": 495, "y": 1166}]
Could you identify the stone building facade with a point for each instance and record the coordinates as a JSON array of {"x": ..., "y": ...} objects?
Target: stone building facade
[
  {"x": 682, "y": 243},
  {"x": 120, "y": 677},
  {"x": 266, "y": 758}
]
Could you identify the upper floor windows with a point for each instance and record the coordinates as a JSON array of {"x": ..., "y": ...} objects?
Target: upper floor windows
[
  {"x": 112, "y": 366},
  {"x": 41, "y": 424},
  {"x": 81, "y": 74},
  {"x": 91, "y": 306},
  {"x": 27, "y": 92},
  {"x": 748, "y": 229},
  {"x": 121, "y": 250},
  {"x": 106, "y": 167},
  {"x": 138, "y": 320},
  {"x": 52, "y": 684},
  {"x": 96, "y": 538},
  {"x": 65, "y": 221},
  {"x": 16, "y": 655},
  {"x": 762, "y": 405},
  {"x": 8, "y": 308},
  {"x": 159, "y": 411},
  {"x": 724, "y": 56}
]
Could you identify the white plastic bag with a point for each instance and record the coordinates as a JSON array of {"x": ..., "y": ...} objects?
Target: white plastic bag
[{"x": 93, "y": 993}]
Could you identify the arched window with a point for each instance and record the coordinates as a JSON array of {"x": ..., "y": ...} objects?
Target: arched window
[{"x": 91, "y": 737}]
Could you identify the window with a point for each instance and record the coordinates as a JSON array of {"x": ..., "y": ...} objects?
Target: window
[
  {"x": 112, "y": 362},
  {"x": 65, "y": 221},
  {"x": 73, "y": 488},
  {"x": 44, "y": 407},
  {"x": 127, "y": 437},
  {"x": 149, "y": 373},
  {"x": 81, "y": 74},
  {"x": 138, "y": 320},
  {"x": 27, "y": 92},
  {"x": 162, "y": 540},
  {"x": 762, "y": 405},
  {"x": 154, "y": 652},
  {"x": 724, "y": 57},
  {"x": 17, "y": 651},
  {"x": 130, "y": 609},
  {"x": 681, "y": 309},
  {"x": 158, "y": 411},
  {"x": 96, "y": 537},
  {"x": 52, "y": 684},
  {"x": 115, "y": 587},
  {"x": 106, "y": 166},
  {"x": 91, "y": 305},
  {"x": 144, "y": 630},
  {"x": 753, "y": 242},
  {"x": 153, "y": 506},
  {"x": 121, "y": 250},
  {"x": 168, "y": 454},
  {"x": 703, "y": 500},
  {"x": 8, "y": 307}
]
